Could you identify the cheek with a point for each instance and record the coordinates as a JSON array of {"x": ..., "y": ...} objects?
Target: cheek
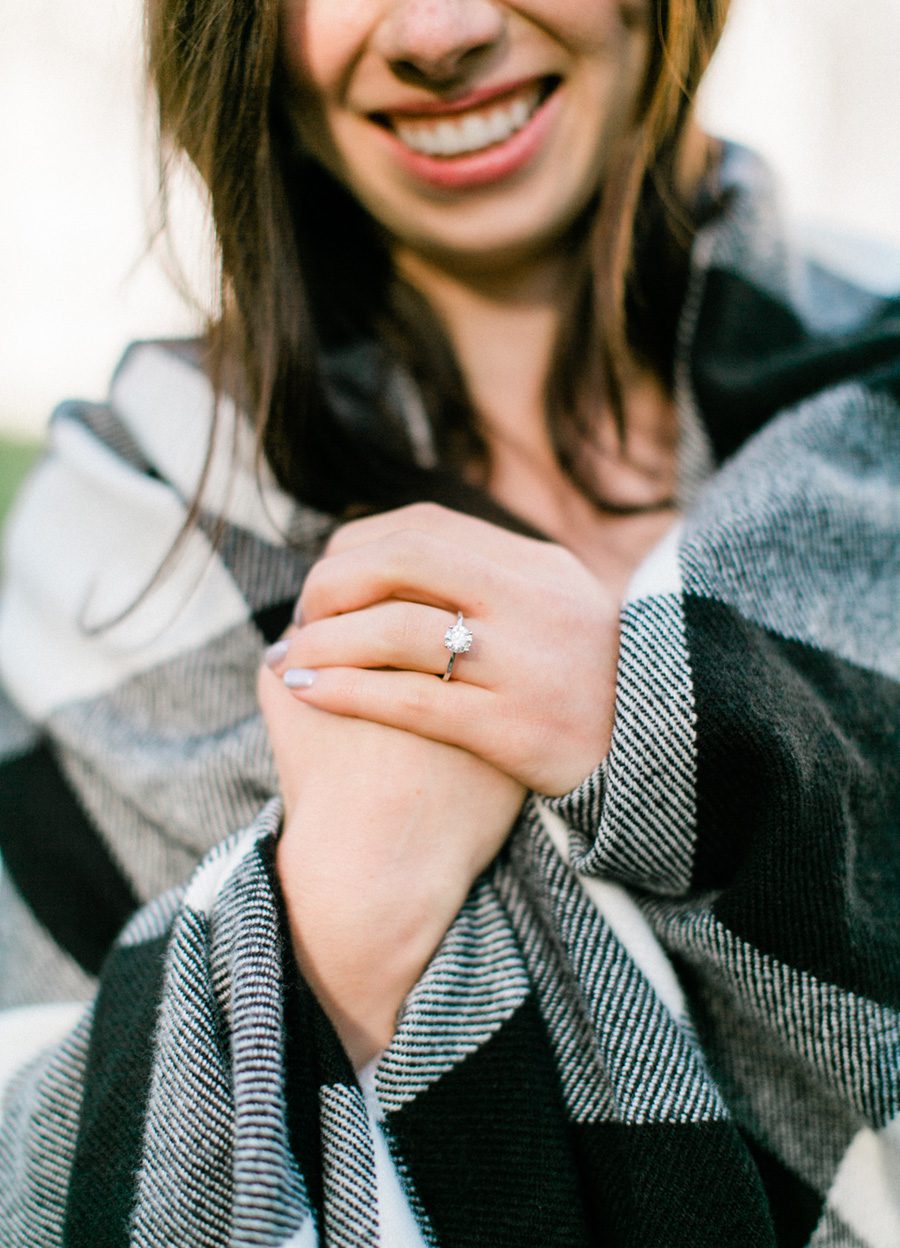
[
  {"x": 615, "y": 54},
  {"x": 589, "y": 25},
  {"x": 321, "y": 39}
]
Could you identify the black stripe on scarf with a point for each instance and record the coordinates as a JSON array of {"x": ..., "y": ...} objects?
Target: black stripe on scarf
[
  {"x": 489, "y": 1150},
  {"x": 754, "y": 357},
  {"x": 797, "y": 762},
  {"x": 103, "y": 1185},
  {"x": 59, "y": 861}
]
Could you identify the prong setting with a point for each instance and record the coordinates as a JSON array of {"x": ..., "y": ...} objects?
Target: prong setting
[{"x": 458, "y": 639}]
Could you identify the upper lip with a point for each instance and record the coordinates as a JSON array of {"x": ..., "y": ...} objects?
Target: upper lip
[{"x": 458, "y": 104}]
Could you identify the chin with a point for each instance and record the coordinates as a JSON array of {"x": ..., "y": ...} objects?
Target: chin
[{"x": 491, "y": 237}]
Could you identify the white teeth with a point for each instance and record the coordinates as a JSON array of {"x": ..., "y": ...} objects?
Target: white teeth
[
  {"x": 475, "y": 132},
  {"x": 519, "y": 112},
  {"x": 500, "y": 124},
  {"x": 446, "y": 139},
  {"x": 470, "y": 132}
]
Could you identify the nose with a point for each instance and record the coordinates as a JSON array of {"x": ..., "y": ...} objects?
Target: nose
[{"x": 438, "y": 40}]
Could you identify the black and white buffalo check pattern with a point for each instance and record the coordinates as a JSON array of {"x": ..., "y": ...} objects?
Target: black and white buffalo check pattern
[{"x": 667, "y": 1015}]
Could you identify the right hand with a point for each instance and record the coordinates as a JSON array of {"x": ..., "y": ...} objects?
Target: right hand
[{"x": 384, "y": 834}]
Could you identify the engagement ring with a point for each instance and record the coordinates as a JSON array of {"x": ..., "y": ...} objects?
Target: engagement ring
[{"x": 457, "y": 639}]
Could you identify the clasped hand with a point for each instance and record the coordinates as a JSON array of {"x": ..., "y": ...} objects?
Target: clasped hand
[
  {"x": 399, "y": 787},
  {"x": 534, "y": 695}
]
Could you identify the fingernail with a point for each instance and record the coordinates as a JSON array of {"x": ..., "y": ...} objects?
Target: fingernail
[
  {"x": 299, "y": 677},
  {"x": 276, "y": 653},
  {"x": 298, "y": 614}
]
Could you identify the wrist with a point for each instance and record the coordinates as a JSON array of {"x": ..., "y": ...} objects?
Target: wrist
[{"x": 362, "y": 934}]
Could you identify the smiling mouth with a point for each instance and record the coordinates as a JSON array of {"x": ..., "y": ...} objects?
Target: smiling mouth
[{"x": 473, "y": 130}]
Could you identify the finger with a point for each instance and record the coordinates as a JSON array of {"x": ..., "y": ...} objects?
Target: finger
[
  {"x": 450, "y": 711},
  {"x": 393, "y": 634},
  {"x": 469, "y": 532},
  {"x": 416, "y": 567}
]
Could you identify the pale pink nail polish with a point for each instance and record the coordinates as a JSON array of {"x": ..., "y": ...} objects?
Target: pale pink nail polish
[
  {"x": 299, "y": 677},
  {"x": 276, "y": 653}
]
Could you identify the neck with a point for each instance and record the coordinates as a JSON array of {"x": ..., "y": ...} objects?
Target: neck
[{"x": 503, "y": 327}]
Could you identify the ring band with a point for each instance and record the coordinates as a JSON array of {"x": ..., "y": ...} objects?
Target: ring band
[{"x": 458, "y": 640}]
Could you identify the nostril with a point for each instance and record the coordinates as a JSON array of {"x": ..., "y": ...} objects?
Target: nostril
[
  {"x": 428, "y": 41},
  {"x": 442, "y": 71},
  {"x": 450, "y": 71}
]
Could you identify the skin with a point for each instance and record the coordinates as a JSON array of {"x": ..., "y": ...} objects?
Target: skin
[
  {"x": 400, "y": 788},
  {"x": 351, "y": 60}
]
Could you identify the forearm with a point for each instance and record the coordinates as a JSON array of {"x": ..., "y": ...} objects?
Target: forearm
[{"x": 383, "y": 836}]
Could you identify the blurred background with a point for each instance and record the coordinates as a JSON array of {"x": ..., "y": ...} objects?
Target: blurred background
[{"x": 813, "y": 84}]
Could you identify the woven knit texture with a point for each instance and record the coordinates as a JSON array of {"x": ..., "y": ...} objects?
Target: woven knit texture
[{"x": 667, "y": 1015}]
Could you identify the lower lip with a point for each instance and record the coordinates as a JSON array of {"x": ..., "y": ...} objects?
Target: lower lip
[{"x": 493, "y": 164}]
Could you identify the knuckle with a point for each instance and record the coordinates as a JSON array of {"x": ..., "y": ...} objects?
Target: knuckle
[
  {"x": 399, "y": 631},
  {"x": 345, "y": 533},
  {"x": 415, "y": 702},
  {"x": 403, "y": 548},
  {"x": 312, "y": 578},
  {"x": 424, "y": 513},
  {"x": 335, "y": 541},
  {"x": 397, "y": 543},
  {"x": 315, "y": 588},
  {"x": 567, "y": 562},
  {"x": 348, "y": 689},
  {"x": 406, "y": 549}
]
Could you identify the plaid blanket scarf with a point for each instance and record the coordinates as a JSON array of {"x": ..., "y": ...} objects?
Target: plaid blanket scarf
[{"x": 667, "y": 1015}]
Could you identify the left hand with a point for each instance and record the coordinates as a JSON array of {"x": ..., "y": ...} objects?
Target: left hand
[{"x": 534, "y": 696}]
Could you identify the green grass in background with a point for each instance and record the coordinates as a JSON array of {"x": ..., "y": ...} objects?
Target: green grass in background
[{"x": 15, "y": 460}]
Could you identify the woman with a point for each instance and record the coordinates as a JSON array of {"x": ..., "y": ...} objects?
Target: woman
[{"x": 587, "y": 941}]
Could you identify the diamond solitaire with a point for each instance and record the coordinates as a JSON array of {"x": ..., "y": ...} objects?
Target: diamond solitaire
[{"x": 457, "y": 640}]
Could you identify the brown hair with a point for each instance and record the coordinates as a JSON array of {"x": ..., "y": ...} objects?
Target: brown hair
[{"x": 287, "y": 296}]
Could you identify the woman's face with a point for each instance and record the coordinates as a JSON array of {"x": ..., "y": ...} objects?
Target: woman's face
[{"x": 475, "y": 131}]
